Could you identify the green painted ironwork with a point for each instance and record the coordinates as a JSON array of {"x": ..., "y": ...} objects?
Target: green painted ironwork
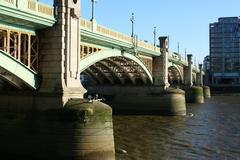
[
  {"x": 19, "y": 70},
  {"x": 26, "y": 14},
  {"x": 110, "y": 38},
  {"x": 101, "y": 55},
  {"x": 171, "y": 64}
]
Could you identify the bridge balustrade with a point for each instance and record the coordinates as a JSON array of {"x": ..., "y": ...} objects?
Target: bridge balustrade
[
  {"x": 117, "y": 35},
  {"x": 86, "y": 24},
  {"x": 22, "y": 46},
  {"x": 31, "y": 6}
]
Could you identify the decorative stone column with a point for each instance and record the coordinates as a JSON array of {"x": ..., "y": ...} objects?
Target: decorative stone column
[
  {"x": 88, "y": 131},
  {"x": 200, "y": 76},
  {"x": 188, "y": 72},
  {"x": 60, "y": 56},
  {"x": 194, "y": 94},
  {"x": 160, "y": 65}
]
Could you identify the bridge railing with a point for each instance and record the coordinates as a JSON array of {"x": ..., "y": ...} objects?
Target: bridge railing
[
  {"x": 117, "y": 35},
  {"x": 177, "y": 58},
  {"x": 86, "y": 24},
  {"x": 30, "y": 6}
]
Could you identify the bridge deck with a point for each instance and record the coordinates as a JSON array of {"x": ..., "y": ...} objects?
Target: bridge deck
[{"x": 25, "y": 15}]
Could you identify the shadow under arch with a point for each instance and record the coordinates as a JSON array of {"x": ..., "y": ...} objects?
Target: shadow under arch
[
  {"x": 175, "y": 77},
  {"x": 93, "y": 58}
]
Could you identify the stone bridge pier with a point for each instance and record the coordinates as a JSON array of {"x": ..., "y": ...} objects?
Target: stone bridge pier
[
  {"x": 200, "y": 76},
  {"x": 188, "y": 78},
  {"x": 194, "y": 94},
  {"x": 160, "y": 65},
  {"x": 60, "y": 57}
]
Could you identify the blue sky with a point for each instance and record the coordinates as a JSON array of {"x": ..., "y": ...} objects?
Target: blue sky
[{"x": 184, "y": 21}]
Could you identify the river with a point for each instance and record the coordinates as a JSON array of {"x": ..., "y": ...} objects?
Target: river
[{"x": 209, "y": 131}]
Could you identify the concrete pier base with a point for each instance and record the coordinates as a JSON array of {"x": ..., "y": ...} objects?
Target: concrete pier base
[
  {"x": 81, "y": 130},
  {"x": 194, "y": 95},
  {"x": 206, "y": 92},
  {"x": 143, "y": 99},
  {"x": 91, "y": 128}
]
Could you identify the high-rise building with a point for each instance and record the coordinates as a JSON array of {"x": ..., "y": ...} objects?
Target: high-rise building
[
  {"x": 225, "y": 51},
  {"x": 206, "y": 64}
]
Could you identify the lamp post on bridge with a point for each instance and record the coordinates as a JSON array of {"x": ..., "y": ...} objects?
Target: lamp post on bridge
[
  {"x": 134, "y": 36},
  {"x": 185, "y": 54},
  {"x": 133, "y": 22},
  {"x": 93, "y": 9},
  {"x": 178, "y": 47},
  {"x": 154, "y": 35}
]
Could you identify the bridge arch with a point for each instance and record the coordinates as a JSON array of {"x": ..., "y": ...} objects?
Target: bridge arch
[
  {"x": 175, "y": 76},
  {"x": 194, "y": 78},
  {"x": 102, "y": 55},
  {"x": 16, "y": 73}
]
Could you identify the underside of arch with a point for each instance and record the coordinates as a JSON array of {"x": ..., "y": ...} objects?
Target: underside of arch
[
  {"x": 174, "y": 75},
  {"x": 16, "y": 73},
  {"x": 114, "y": 67},
  {"x": 194, "y": 79}
]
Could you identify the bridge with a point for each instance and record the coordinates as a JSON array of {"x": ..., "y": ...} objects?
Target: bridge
[
  {"x": 106, "y": 56},
  {"x": 102, "y": 41},
  {"x": 50, "y": 57}
]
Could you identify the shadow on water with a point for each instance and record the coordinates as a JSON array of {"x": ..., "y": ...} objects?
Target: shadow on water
[{"x": 210, "y": 132}]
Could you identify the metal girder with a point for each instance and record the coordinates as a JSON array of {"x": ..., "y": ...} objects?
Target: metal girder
[
  {"x": 101, "y": 55},
  {"x": 99, "y": 70},
  {"x": 14, "y": 81},
  {"x": 194, "y": 78},
  {"x": 16, "y": 72},
  {"x": 91, "y": 73},
  {"x": 174, "y": 75},
  {"x": 129, "y": 75},
  {"x": 112, "y": 71},
  {"x": 137, "y": 69},
  {"x": 176, "y": 67},
  {"x": 22, "y": 46}
]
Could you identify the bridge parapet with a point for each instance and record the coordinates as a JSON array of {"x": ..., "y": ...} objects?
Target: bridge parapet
[
  {"x": 30, "y": 14},
  {"x": 88, "y": 25},
  {"x": 176, "y": 58},
  {"x": 30, "y": 6}
]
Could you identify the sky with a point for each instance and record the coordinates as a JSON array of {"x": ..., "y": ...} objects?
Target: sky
[{"x": 185, "y": 21}]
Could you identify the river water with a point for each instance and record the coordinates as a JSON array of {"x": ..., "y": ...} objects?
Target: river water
[{"x": 211, "y": 132}]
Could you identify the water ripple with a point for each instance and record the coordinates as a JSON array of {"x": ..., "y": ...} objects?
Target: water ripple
[{"x": 212, "y": 133}]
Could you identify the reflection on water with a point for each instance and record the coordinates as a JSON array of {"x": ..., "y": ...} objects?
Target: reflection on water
[{"x": 213, "y": 132}]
